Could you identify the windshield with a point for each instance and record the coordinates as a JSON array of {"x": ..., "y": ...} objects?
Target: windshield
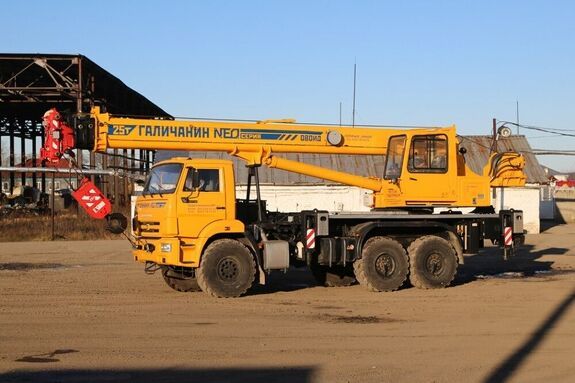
[
  {"x": 394, "y": 159},
  {"x": 163, "y": 179}
]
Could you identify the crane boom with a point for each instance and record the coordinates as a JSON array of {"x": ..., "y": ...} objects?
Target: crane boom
[
  {"x": 423, "y": 166},
  {"x": 248, "y": 140},
  {"x": 254, "y": 142}
]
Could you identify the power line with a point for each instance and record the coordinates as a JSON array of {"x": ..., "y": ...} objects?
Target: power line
[
  {"x": 537, "y": 152},
  {"x": 543, "y": 152},
  {"x": 544, "y": 136},
  {"x": 558, "y": 132}
]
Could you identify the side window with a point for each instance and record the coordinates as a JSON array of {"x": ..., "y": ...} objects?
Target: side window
[
  {"x": 394, "y": 159},
  {"x": 209, "y": 180},
  {"x": 428, "y": 154}
]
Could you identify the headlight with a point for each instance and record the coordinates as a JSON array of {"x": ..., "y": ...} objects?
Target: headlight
[{"x": 166, "y": 247}]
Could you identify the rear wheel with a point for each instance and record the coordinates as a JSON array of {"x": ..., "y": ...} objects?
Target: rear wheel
[
  {"x": 433, "y": 262},
  {"x": 383, "y": 265},
  {"x": 180, "y": 279},
  {"x": 335, "y": 276},
  {"x": 227, "y": 269}
]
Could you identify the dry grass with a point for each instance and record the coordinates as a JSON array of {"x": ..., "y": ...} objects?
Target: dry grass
[{"x": 67, "y": 226}]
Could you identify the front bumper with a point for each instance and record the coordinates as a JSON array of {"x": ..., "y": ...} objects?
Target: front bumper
[{"x": 162, "y": 251}]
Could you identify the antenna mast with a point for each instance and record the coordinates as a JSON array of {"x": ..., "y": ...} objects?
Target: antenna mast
[{"x": 354, "y": 82}]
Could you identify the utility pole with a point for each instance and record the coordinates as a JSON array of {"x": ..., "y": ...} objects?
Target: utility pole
[
  {"x": 354, "y": 82},
  {"x": 517, "y": 115}
]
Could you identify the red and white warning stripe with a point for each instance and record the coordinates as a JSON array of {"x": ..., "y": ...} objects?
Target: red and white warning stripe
[
  {"x": 310, "y": 239},
  {"x": 508, "y": 236},
  {"x": 93, "y": 198}
]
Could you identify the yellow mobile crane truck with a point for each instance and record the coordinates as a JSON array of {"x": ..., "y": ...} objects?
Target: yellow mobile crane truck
[{"x": 189, "y": 223}]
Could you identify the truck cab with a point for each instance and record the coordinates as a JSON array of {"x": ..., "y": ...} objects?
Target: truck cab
[{"x": 185, "y": 202}]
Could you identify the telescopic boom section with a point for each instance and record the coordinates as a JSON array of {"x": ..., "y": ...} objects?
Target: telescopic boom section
[
  {"x": 373, "y": 184},
  {"x": 254, "y": 142},
  {"x": 248, "y": 139}
]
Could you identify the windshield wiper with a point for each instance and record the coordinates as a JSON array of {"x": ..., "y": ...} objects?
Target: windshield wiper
[{"x": 152, "y": 190}]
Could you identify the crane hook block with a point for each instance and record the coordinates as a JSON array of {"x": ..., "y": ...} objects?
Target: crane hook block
[
  {"x": 59, "y": 137},
  {"x": 92, "y": 200}
]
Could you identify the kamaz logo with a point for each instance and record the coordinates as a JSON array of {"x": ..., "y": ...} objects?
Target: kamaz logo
[{"x": 120, "y": 130}]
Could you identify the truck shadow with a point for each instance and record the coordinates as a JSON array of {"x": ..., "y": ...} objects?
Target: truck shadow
[
  {"x": 488, "y": 264},
  {"x": 511, "y": 364},
  {"x": 491, "y": 264},
  {"x": 228, "y": 375},
  {"x": 294, "y": 279}
]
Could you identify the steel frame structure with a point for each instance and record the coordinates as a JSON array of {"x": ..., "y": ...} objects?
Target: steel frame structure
[{"x": 30, "y": 84}]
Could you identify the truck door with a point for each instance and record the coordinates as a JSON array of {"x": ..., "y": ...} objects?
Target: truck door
[
  {"x": 201, "y": 201},
  {"x": 426, "y": 178}
]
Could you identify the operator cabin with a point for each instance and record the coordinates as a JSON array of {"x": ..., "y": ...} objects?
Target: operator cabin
[{"x": 289, "y": 191}]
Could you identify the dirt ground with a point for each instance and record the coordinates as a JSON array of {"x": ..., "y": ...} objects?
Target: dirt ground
[{"x": 85, "y": 312}]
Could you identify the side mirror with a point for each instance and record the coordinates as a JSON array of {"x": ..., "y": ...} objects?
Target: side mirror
[{"x": 195, "y": 179}]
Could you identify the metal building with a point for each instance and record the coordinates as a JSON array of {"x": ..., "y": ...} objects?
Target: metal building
[{"x": 30, "y": 84}]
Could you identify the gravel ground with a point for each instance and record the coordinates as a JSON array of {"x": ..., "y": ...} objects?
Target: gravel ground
[{"x": 85, "y": 312}]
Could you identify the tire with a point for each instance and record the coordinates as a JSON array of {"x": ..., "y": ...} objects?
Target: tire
[
  {"x": 227, "y": 269},
  {"x": 181, "y": 279},
  {"x": 433, "y": 262},
  {"x": 335, "y": 276},
  {"x": 383, "y": 265}
]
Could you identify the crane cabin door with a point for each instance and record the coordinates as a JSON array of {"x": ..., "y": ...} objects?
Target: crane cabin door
[
  {"x": 427, "y": 175},
  {"x": 202, "y": 200}
]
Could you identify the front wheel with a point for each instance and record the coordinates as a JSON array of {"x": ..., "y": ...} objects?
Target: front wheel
[
  {"x": 433, "y": 262},
  {"x": 227, "y": 269},
  {"x": 383, "y": 265}
]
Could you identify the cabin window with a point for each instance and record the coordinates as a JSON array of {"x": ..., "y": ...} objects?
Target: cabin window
[
  {"x": 428, "y": 154},
  {"x": 209, "y": 180}
]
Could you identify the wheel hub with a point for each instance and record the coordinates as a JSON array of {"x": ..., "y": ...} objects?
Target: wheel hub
[
  {"x": 228, "y": 269},
  {"x": 385, "y": 265},
  {"x": 434, "y": 264}
]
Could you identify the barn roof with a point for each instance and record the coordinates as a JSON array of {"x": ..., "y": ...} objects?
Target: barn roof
[
  {"x": 31, "y": 83},
  {"x": 478, "y": 150}
]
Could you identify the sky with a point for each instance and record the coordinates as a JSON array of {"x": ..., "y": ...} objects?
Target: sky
[{"x": 430, "y": 63}]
